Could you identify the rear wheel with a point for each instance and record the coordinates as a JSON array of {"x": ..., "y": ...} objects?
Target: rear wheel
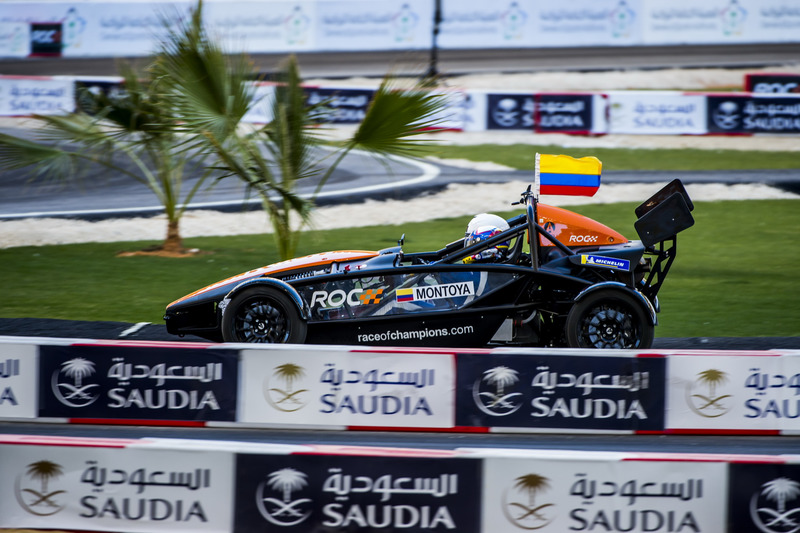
[
  {"x": 609, "y": 319},
  {"x": 263, "y": 315}
]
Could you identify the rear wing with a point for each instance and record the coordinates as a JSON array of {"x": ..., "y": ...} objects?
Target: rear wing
[{"x": 664, "y": 215}]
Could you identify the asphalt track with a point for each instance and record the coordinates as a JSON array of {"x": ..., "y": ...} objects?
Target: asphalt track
[{"x": 450, "y": 62}]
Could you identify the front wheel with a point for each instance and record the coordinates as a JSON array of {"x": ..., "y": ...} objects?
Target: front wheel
[
  {"x": 609, "y": 319},
  {"x": 262, "y": 315}
]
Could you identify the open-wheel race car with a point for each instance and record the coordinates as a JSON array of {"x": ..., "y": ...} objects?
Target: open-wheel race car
[{"x": 578, "y": 283}]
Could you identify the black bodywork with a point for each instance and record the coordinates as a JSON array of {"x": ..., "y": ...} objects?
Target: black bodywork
[{"x": 554, "y": 295}]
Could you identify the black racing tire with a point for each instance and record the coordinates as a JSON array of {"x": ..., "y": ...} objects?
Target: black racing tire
[
  {"x": 263, "y": 315},
  {"x": 610, "y": 319}
]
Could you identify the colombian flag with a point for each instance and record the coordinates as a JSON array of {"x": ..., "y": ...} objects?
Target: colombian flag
[
  {"x": 562, "y": 174},
  {"x": 405, "y": 295}
]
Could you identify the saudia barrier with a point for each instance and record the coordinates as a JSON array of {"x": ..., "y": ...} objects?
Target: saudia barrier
[
  {"x": 158, "y": 485},
  {"x": 330, "y": 387},
  {"x": 124, "y": 28},
  {"x": 612, "y": 112}
]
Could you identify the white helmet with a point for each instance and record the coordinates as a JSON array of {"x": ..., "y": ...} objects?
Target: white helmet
[{"x": 482, "y": 227}]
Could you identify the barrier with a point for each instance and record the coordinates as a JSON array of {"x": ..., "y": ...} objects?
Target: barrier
[
  {"x": 110, "y": 28},
  {"x": 612, "y": 112},
  {"x": 347, "y": 387},
  {"x": 159, "y": 485}
]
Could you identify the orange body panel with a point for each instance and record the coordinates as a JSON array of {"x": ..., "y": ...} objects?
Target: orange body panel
[
  {"x": 573, "y": 229},
  {"x": 312, "y": 260}
]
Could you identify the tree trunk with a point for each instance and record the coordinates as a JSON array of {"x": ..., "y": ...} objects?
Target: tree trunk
[{"x": 173, "y": 242}]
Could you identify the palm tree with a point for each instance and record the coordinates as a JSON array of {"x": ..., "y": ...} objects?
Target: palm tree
[
  {"x": 781, "y": 489},
  {"x": 712, "y": 378},
  {"x": 532, "y": 484},
  {"x": 289, "y": 372},
  {"x": 212, "y": 97},
  {"x": 44, "y": 471},
  {"x": 500, "y": 376},
  {"x": 78, "y": 368},
  {"x": 134, "y": 126},
  {"x": 286, "y": 480}
]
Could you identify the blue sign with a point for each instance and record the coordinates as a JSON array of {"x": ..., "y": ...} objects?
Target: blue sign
[
  {"x": 143, "y": 383},
  {"x": 745, "y": 114},
  {"x": 763, "y": 497},
  {"x": 561, "y": 391},
  {"x": 570, "y": 113},
  {"x": 339, "y": 106},
  {"x": 312, "y": 493},
  {"x": 510, "y": 112}
]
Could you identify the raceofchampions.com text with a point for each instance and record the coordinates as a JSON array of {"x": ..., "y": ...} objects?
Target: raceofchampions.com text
[{"x": 418, "y": 334}]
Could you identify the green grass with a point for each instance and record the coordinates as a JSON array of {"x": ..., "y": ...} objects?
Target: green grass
[
  {"x": 735, "y": 274},
  {"x": 521, "y": 156}
]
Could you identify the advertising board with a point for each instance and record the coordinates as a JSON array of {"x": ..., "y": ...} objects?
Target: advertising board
[
  {"x": 336, "y": 387},
  {"x": 756, "y": 113},
  {"x": 310, "y": 493},
  {"x": 763, "y": 498},
  {"x": 541, "y": 391},
  {"x": 723, "y": 392},
  {"x": 18, "y": 380},
  {"x": 142, "y": 383},
  {"x": 558, "y": 494},
  {"x": 43, "y": 96},
  {"x": 115, "y": 489},
  {"x": 657, "y": 113},
  {"x": 564, "y": 113}
]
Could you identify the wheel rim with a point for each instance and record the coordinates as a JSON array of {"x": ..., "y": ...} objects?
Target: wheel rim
[
  {"x": 261, "y": 320},
  {"x": 609, "y": 326}
]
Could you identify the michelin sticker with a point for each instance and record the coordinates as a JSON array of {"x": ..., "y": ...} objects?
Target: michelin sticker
[
  {"x": 436, "y": 292},
  {"x": 606, "y": 262}
]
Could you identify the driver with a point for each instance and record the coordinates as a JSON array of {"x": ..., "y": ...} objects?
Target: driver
[{"x": 481, "y": 228}]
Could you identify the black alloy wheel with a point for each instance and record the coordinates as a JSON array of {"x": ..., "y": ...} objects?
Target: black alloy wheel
[
  {"x": 263, "y": 315},
  {"x": 609, "y": 319}
]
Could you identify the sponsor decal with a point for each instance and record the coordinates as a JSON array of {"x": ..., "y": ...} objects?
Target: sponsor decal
[
  {"x": 494, "y": 392},
  {"x": 563, "y": 112},
  {"x": 554, "y": 495},
  {"x": 522, "y": 508},
  {"x": 436, "y": 292},
  {"x": 132, "y": 382},
  {"x": 606, "y": 262},
  {"x": 8, "y": 369},
  {"x": 706, "y": 395},
  {"x": 561, "y": 392},
  {"x": 357, "y": 389},
  {"x": 37, "y": 489},
  {"x": 510, "y": 111},
  {"x": 414, "y": 334},
  {"x": 116, "y": 489},
  {"x": 757, "y": 114},
  {"x": 46, "y": 39},
  {"x": 339, "y": 297},
  {"x": 764, "y": 498},
  {"x": 315, "y": 493},
  {"x": 751, "y": 393},
  {"x": 281, "y": 388}
]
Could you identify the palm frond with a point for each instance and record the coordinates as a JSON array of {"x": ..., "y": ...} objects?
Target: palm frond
[
  {"x": 395, "y": 118},
  {"x": 44, "y": 160},
  {"x": 211, "y": 91}
]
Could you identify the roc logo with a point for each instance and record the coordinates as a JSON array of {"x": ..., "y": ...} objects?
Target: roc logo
[
  {"x": 338, "y": 297},
  {"x": 491, "y": 393},
  {"x": 520, "y": 505},
  {"x": 279, "y": 388},
  {"x": 34, "y": 489},
  {"x": 283, "y": 511},
  {"x": 702, "y": 394},
  {"x": 770, "y": 509},
  {"x": 75, "y": 394}
]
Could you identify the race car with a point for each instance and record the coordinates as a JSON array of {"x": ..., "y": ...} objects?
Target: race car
[{"x": 577, "y": 283}]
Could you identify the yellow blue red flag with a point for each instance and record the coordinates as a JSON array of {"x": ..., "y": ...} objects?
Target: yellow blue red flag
[{"x": 562, "y": 174}]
